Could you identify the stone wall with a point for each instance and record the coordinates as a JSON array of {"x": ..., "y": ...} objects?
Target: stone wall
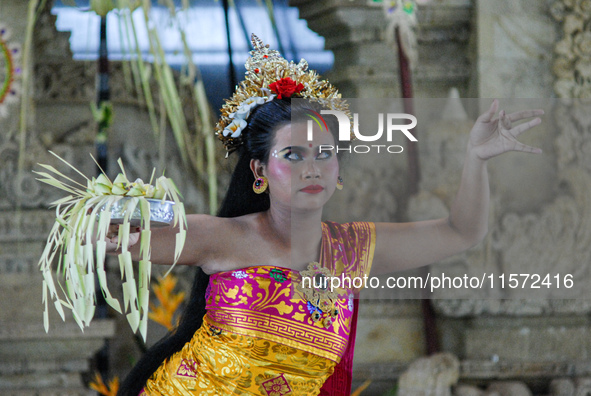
[
  {"x": 391, "y": 332},
  {"x": 31, "y": 361},
  {"x": 539, "y": 205}
]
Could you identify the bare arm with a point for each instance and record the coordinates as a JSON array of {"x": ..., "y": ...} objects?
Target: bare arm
[
  {"x": 402, "y": 246},
  {"x": 202, "y": 241}
]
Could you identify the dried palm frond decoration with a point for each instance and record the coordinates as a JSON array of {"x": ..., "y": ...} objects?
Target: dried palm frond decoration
[
  {"x": 183, "y": 101},
  {"x": 84, "y": 216},
  {"x": 181, "y": 97}
]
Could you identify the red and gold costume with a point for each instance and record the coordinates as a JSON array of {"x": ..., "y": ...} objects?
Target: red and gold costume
[{"x": 262, "y": 336}]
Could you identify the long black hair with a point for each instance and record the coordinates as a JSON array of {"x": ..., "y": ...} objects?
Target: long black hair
[{"x": 240, "y": 200}]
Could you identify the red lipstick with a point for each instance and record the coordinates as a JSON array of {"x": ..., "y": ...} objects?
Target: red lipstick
[{"x": 313, "y": 189}]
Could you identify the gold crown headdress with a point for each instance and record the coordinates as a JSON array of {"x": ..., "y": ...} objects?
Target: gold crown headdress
[{"x": 270, "y": 76}]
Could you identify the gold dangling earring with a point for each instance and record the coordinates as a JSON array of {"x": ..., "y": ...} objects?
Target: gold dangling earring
[
  {"x": 339, "y": 183},
  {"x": 260, "y": 185}
]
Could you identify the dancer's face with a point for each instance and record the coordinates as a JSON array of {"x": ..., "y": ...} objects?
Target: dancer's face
[{"x": 301, "y": 173}]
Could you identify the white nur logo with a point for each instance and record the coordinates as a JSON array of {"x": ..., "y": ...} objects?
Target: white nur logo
[{"x": 345, "y": 132}]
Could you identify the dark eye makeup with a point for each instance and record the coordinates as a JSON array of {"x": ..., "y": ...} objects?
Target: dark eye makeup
[{"x": 296, "y": 153}]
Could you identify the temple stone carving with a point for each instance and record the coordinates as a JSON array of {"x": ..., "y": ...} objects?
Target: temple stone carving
[
  {"x": 33, "y": 362},
  {"x": 366, "y": 65},
  {"x": 432, "y": 376},
  {"x": 508, "y": 388},
  {"x": 539, "y": 206},
  {"x": 570, "y": 387},
  {"x": 571, "y": 66},
  {"x": 467, "y": 390}
]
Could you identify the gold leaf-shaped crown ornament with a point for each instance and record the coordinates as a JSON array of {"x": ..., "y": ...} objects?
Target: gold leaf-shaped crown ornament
[{"x": 270, "y": 76}]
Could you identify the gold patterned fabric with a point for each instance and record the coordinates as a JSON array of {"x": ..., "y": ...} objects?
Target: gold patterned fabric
[{"x": 259, "y": 338}]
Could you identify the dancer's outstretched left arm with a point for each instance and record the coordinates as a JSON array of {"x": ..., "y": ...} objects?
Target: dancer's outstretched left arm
[{"x": 402, "y": 246}]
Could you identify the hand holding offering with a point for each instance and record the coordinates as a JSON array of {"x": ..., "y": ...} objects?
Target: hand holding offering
[{"x": 100, "y": 217}]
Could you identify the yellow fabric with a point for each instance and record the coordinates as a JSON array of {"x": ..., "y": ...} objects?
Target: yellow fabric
[
  {"x": 279, "y": 356},
  {"x": 233, "y": 364}
]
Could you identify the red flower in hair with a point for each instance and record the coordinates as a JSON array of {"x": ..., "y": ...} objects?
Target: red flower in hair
[{"x": 286, "y": 87}]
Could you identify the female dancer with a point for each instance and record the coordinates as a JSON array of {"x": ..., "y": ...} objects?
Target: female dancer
[{"x": 250, "y": 328}]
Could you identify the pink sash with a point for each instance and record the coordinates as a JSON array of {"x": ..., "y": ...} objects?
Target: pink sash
[{"x": 339, "y": 383}]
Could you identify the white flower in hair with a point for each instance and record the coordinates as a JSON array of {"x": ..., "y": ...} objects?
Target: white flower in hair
[
  {"x": 241, "y": 114},
  {"x": 235, "y": 128},
  {"x": 243, "y": 111},
  {"x": 252, "y": 102}
]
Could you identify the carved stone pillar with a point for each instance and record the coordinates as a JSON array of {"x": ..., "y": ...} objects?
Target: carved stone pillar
[
  {"x": 514, "y": 49},
  {"x": 63, "y": 91},
  {"x": 542, "y": 337},
  {"x": 31, "y": 361},
  {"x": 366, "y": 66}
]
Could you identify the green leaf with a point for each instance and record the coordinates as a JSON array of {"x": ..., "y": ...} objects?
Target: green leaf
[
  {"x": 60, "y": 174},
  {"x": 133, "y": 318},
  {"x": 145, "y": 269},
  {"x": 123, "y": 237},
  {"x": 67, "y": 163},
  {"x": 102, "y": 7},
  {"x": 103, "y": 179},
  {"x": 181, "y": 236},
  {"x": 46, "y": 310},
  {"x": 64, "y": 200},
  {"x": 129, "y": 296},
  {"x": 88, "y": 300},
  {"x": 118, "y": 189},
  {"x": 145, "y": 213},
  {"x": 56, "y": 183},
  {"x": 121, "y": 178},
  {"x": 135, "y": 192}
]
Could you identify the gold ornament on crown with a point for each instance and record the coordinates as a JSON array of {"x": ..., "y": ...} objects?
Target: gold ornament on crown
[{"x": 270, "y": 76}]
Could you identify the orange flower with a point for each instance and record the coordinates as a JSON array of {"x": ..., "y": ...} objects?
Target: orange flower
[
  {"x": 98, "y": 385},
  {"x": 168, "y": 301},
  {"x": 363, "y": 386}
]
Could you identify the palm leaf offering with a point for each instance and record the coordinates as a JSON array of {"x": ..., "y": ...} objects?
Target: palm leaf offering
[{"x": 84, "y": 216}]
